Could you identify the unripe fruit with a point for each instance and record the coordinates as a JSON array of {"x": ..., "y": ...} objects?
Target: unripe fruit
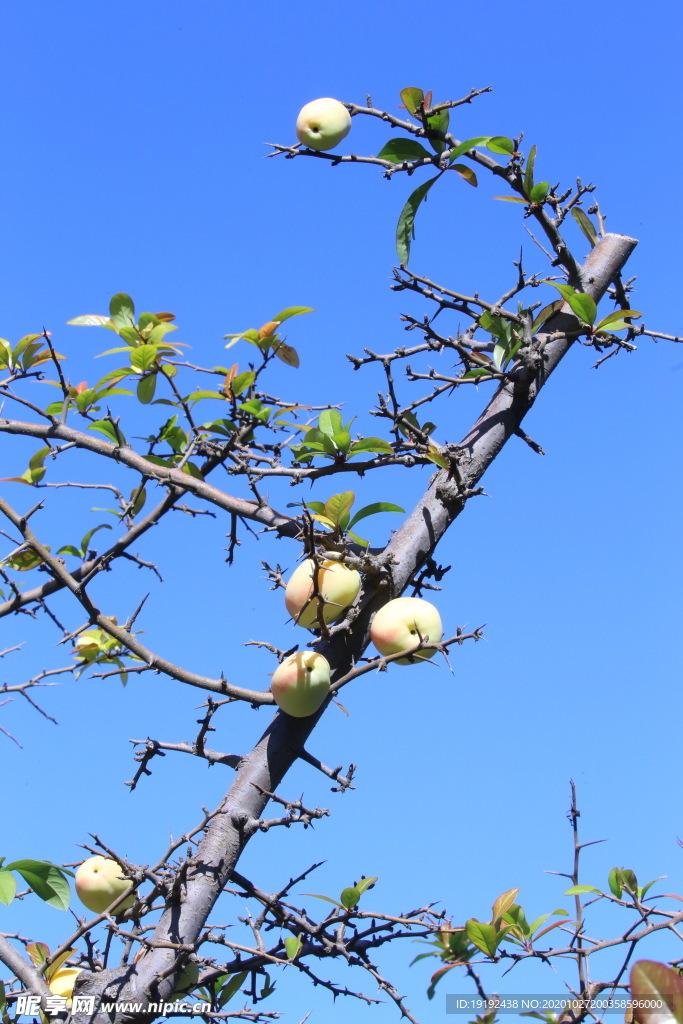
[
  {"x": 323, "y": 123},
  {"x": 99, "y": 881},
  {"x": 337, "y": 584},
  {"x": 301, "y": 683},
  {"x": 400, "y": 623},
  {"x": 63, "y": 981}
]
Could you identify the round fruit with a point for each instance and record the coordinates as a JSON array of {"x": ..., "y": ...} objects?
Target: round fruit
[
  {"x": 400, "y": 623},
  {"x": 323, "y": 123},
  {"x": 62, "y": 981},
  {"x": 337, "y": 585},
  {"x": 301, "y": 683},
  {"x": 100, "y": 881}
]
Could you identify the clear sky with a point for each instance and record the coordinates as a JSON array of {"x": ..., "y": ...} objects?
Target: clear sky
[{"x": 134, "y": 160}]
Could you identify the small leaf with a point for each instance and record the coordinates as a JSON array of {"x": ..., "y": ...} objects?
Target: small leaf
[
  {"x": 466, "y": 146},
  {"x": 399, "y": 150},
  {"x": 107, "y": 428},
  {"x": 8, "y": 887},
  {"x": 122, "y": 310},
  {"x": 539, "y": 191},
  {"x": 373, "y": 509},
  {"x": 477, "y": 371},
  {"x": 371, "y": 444},
  {"x": 285, "y": 314},
  {"x": 616, "y": 321},
  {"x": 46, "y": 880},
  {"x": 500, "y": 144},
  {"x": 580, "y": 890},
  {"x": 287, "y": 354},
  {"x": 581, "y": 304},
  {"x": 146, "y": 388},
  {"x": 484, "y": 936},
  {"x": 293, "y": 946},
  {"x": 503, "y": 903},
  {"x": 241, "y": 382},
  {"x": 329, "y": 422},
  {"x": 467, "y": 173},
  {"x": 405, "y": 229},
  {"x": 91, "y": 320},
  {"x": 365, "y": 884},
  {"x": 439, "y": 123},
  {"x": 338, "y": 505},
  {"x": 586, "y": 225},
  {"x": 38, "y": 953},
  {"x": 545, "y": 314},
  {"x": 231, "y": 988},
  {"x": 511, "y": 199},
  {"x": 412, "y": 99},
  {"x": 350, "y": 897},
  {"x": 529, "y": 172},
  {"x": 144, "y": 357}
]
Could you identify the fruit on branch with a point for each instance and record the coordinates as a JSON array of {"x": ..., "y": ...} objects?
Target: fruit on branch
[
  {"x": 100, "y": 881},
  {"x": 337, "y": 588},
  {"x": 401, "y": 623},
  {"x": 63, "y": 981},
  {"x": 323, "y": 123},
  {"x": 301, "y": 683}
]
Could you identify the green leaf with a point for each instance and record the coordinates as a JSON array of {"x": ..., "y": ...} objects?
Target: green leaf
[
  {"x": 405, "y": 229},
  {"x": 242, "y": 382},
  {"x": 373, "y": 509},
  {"x": 439, "y": 122},
  {"x": 293, "y": 946},
  {"x": 477, "y": 371},
  {"x": 580, "y": 890},
  {"x": 503, "y": 904},
  {"x": 466, "y": 146},
  {"x": 338, "y": 505},
  {"x": 618, "y": 319},
  {"x": 107, "y": 428},
  {"x": 46, "y": 880},
  {"x": 366, "y": 883},
  {"x": 85, "y": 543},
  {"x": 343, "y": 441},
  {"x": 529, "y": 172},
  {"x": 399, "y": 150},
  {"x": 580, "y": 303},
  {"x": 69, "y": 549},
  {"x": 467, "y": 173},
  {"x": 350, "y": 897},
  {"x": 329, "y": 422},
  {"x": 231, "y": 988},
  {"x": 500, "y": 144},
  {"x": 371, "y": 444},
  {"x": 545, "y": 314},
  {"x": 484, "y": 936},
  {"x": 412, "y": 99},
  {"x": 144, "y": 357},
  {"x": 91, "y": 320},
  {"x": 146, "y": 388},
  {"x": 654, "y": 983},
  {"x": 122, "y": 310},
  {"x": 540, "y": 191},
  {"x": 586, "y": 225},
  {"x": 511, "y": 199},
  {"x": 8, "y": 887},
  {"x": 285, "y": 314}
]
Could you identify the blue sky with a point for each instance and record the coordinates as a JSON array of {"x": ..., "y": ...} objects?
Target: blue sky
[{"x": 134, "y": 160}]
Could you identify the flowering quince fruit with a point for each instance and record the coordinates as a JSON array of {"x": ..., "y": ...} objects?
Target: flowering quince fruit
[
  {"x": 337, "y": 584},
  {"x": 301, "y": 683},
  {"x": 323, "y": 123},
  {"x": 62, "y": 982},
  {"x": 99, "y": 881},
  {"x": 400, "y": 623}
]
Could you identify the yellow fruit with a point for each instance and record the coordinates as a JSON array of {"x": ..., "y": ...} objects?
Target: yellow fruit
[
  {"x": 100, "y": 881},
  {"x": 337, "y": 585},
  {"x": 323, "y": 123},
  {"x": 400, "y": 623},
  {"x": 62, "y": 982},
  {"x": 301, "y": 683}
]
